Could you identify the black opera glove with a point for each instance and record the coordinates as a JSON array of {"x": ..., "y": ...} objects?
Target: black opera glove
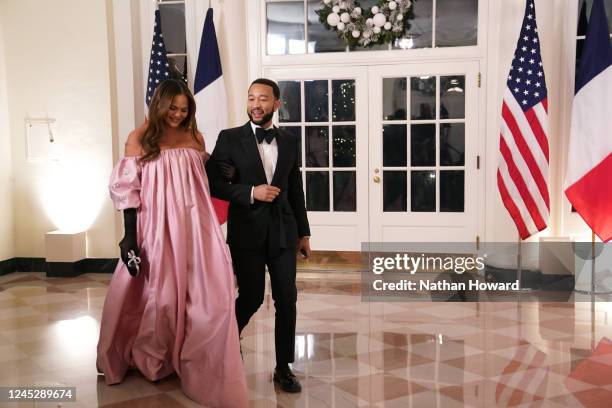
[{"x": 129, "y": 244}]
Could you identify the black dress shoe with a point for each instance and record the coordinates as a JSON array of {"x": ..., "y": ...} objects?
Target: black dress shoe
[{"x": 286, "y": 380}]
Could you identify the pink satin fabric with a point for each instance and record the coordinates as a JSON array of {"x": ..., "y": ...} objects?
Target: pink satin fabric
[{"x": 178, "y": 314}]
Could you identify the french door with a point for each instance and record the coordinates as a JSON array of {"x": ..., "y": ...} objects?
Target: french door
[
  {"x": 423, "y": 144},
  {"x": 388, "y": 152}
]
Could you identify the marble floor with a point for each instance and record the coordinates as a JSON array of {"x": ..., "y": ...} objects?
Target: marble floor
[{"x": 349, "y": 353}]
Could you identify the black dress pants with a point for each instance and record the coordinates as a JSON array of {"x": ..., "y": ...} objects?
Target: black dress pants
[{"x": 250, "y": 268}]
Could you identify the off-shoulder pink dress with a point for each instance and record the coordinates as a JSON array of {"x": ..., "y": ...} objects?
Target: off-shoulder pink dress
[{"x": 177, "y": 315}]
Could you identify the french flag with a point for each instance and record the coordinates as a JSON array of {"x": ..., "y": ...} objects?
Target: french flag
[
  {"x": 587, "y": 182},
  {"x": 210, "y": 96}
]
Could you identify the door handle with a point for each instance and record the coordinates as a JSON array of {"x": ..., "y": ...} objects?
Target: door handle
[{"x": 376, "y": 179}]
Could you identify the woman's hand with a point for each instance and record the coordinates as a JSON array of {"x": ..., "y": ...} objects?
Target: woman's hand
[{"x": 130, "y": 254}]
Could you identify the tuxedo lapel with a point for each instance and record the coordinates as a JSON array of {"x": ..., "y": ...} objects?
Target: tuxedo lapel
[
  {"x": 283, "y": 155},
  {"x": 250, "y": 146}
]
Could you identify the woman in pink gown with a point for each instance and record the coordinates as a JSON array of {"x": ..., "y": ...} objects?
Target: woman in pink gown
[{"x": 177, "y": 313}]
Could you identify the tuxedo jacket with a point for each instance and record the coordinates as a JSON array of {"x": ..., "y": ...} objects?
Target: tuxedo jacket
[{"x": 250, "y": 226}]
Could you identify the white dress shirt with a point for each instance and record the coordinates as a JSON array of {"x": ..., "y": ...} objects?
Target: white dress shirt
[{"x": 268, "y": 152}]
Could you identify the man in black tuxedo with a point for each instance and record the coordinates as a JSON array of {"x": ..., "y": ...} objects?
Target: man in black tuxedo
[{"x": 267, "y": 220}]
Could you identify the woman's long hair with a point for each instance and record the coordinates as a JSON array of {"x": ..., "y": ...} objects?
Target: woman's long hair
[{"x": 158, "y": 109}]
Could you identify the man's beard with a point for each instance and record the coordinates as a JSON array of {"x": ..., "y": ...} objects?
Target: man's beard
[{"x": 265, "y": 119}]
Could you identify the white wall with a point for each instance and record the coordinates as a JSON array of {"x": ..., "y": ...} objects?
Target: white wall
[
  {"x": 7, "y": 247},
  {"x": 57, "y": 66}
]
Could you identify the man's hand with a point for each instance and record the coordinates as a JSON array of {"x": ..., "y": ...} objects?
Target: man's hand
[
  {"x": 303, "y": 247},
  {"x": 265, "y": 192}
]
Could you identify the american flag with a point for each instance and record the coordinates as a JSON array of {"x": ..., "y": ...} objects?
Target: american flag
[
  {"x": 522, "y": 173},
  {"x": 159, "y": 68}
]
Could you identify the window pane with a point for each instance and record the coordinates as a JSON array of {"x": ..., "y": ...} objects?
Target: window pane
[
  {"x": 178, "y": 67},
  {"x": 344, "y": 146},
  {"x": 452, "y": 97},
  {"x": 423, "y": 191},
  {"x": 345, "y": 191},
  {"x": 291, "y": 102},
  {"x": 395, "y": 145},
  {"x": 173, "y": 27},
  {"x": 423, "y": 97},
  {"x": 285, "y": 27},
  {"x": 584, "y": 14},
  {"x": 395, "y": 191},
  {"x": 419, "y": 34},
  {"x": 317, "y": 146},
  {"x": 321, "y": 39},
  {"x": 456, "y": 22},
  {"x": 394, "y": 98},
  {"x": 423, "y": 145},
  {"x": 368, "y": 4},
  {"x": 579, "y": 47},
  {"x": 343, "y": 100},
  {"x": 316, "y": 101},
  {"x": 452, "y": 144},
  {"x": 295, "y": 132},
  {"x": 317, "y": 191},
  {"x": 451, "y": 190}
]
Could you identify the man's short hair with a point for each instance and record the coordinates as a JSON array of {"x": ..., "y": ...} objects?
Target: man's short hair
[{"x": 270, "y": 83}]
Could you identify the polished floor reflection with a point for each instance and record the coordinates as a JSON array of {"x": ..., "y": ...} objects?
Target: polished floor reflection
[{"x": 348, "y": 353}]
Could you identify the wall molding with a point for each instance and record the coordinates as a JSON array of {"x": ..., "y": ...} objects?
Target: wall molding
[{"x": 58, "y": 269}]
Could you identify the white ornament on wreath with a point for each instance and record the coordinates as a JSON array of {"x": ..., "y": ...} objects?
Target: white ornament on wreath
[
  {"x": 345, "y": 18},
  {"x": 392, "y": 5},
  {"x": 357, "y": 11},
  {"x": 375, "y": 10},
  {"x": 333, "y": 19},
  {"x": 376, "y": 30},
  {"x": 356, "y": 33},
  {"x": 387, "y": 26},
  {"x": 336, "y": 9},
  {"x": 379, "y": 20},
  {"x": 399, "y": 17},
  {"x": 369, "y": 22},
  {"x": 343, "y": 5},
  {"x": 341, "y": 26}
]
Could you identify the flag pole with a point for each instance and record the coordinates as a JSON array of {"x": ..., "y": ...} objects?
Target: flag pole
[
  {"x": 519, "y": 266},
  {"x": 592, "y": 289},
  {"x": 519, "y": 263},
  {"x": 593, "y": 261}
]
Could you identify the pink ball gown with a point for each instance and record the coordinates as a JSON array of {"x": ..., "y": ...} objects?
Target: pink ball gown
[{"x": 177, "y": 315}]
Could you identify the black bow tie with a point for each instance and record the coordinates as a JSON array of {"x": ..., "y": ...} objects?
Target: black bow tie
[{"x": 262, "y": 134}]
